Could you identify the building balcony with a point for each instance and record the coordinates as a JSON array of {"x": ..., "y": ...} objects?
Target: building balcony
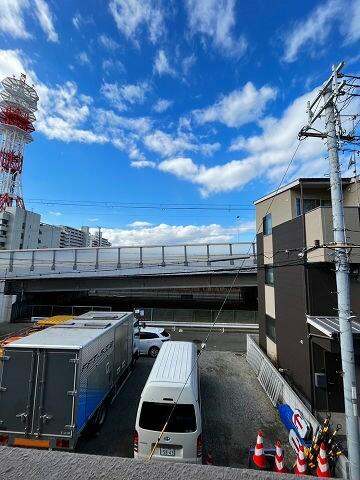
[{"x": 319, "y": 229}]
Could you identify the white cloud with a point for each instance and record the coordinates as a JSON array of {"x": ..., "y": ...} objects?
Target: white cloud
[
  {"x": 83, "y": 58},
  {"x": 110, "y": 64},
  {"x": 187, "y": 63},
  {"x": 12, "y": 18},
  {"x": 107, "y": 42},
  {"x": 77, "y": 20},
  {"x": 162, "y": 105},
  {"x": 239, "y": 107},
  {"x": 107, "y": 119},
  {"x": 67, "y": 115},
  {"x": 56, "y": 214},
  {"x": 262, "y": 156},
  {"x": 120, "y": 96},
  {"x": 140, "y": 224},
  {"x": 162, "y": 65},
  {"x": 93, "y": 219},
  {"x": 13, "y": 13},
  {"x": 175, "y": 234},
  {"x": 143, "y": 164},
  {"x": 315, "y": 29},
  {"x": 167, "y": 145},
  {"x": 351, "y": 23},
  {"x": 131, "y": 16},
  {"x": 216, "y": 19},
  {"x": 46, "y": 20}
]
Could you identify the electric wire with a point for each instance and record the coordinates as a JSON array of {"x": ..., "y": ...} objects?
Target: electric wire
[{"x": 221, "y": 308}]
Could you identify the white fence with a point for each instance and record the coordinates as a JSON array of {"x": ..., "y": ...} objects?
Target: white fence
[{"x": 279, "y": 391}]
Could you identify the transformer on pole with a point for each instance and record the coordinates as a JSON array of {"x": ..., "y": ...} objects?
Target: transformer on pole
[{"x": 18, "y": 103}]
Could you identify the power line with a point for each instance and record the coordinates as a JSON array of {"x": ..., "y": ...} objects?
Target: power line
[{"x": 221, "y": 307}]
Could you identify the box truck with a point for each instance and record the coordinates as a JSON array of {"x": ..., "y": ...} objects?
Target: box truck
[{"x": 53, "y": 383}]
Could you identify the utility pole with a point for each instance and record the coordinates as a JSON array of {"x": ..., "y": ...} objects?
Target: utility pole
[
  {"x": 329, "y": 93},
  {"x": 99, "y": 236}
]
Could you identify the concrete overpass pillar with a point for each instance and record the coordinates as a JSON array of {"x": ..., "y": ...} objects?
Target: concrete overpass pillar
[{"x": 6, "y": 302}]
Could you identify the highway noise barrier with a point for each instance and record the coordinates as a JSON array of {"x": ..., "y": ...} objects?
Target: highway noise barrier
[
  {"x": 301, "y": 466},
  {"x": 279, "y": 465},
  {"x": 259, "y": 458},
  {"x": 209, "y": 458},
  {"x": 323, "y": 469}
]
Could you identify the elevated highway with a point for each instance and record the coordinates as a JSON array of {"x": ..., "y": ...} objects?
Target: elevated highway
[{"x": 127, "y": 269}]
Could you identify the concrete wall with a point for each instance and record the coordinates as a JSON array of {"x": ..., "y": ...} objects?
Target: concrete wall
[{"x": 37, "y": 465}]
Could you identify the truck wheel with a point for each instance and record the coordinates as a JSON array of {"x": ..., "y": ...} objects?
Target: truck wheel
[
  {"x": 101, "y": 415},
  {"x": 153, "y": 352}
]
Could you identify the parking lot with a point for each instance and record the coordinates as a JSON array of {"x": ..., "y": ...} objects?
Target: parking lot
[{"x": 234, "y": 406}]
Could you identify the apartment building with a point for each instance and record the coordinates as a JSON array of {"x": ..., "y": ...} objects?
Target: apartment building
[
  {"x": 74, "y": 237},
  {"x": 20, "y": 229},
  {"x": 298, "y": 324},
  {"x": 49, "y": 236}
]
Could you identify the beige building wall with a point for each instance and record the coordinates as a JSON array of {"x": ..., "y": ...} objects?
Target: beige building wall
[
  {"x": 268, "y": 249},
  {"x": 271, "y": 349},
  {"x": 280, "y": 209},
  {"x": 270, "y": 301}
]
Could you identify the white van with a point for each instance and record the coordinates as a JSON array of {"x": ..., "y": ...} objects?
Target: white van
[{"x": 175, "y": 371}]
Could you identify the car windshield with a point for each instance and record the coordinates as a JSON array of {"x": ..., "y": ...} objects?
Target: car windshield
[{"x": 154, "y": 415}]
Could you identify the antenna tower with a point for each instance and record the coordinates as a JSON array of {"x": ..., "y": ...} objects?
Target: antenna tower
[{"x": 18, "y": 103}]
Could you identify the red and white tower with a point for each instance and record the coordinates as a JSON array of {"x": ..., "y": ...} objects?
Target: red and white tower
[{"x": 18, "y": 102}]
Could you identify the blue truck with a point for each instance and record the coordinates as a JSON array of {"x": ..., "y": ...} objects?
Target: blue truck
[{"x": 54, "y": 382}]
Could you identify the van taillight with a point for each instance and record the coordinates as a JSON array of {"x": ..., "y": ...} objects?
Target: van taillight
[
  {"x": 60, "y": 443},
  {"x": 136, "y": 441},
  {"x": 199, "y": 446},
  {"x": 4, "y": 439}
]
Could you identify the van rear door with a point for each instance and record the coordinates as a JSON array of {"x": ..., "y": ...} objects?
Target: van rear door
[
  {"x": 55, "y": 400},
  {"x": 179, "y": 441},
  {"x": 16, "y": 390},
  {"x": 37, "y": 392}
]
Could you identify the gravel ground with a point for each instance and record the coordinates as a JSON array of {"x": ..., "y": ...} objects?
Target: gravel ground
[{"x": 235, "y": 407}]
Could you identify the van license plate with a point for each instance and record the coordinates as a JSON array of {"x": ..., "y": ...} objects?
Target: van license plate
[{"x": 167, "y": 452}]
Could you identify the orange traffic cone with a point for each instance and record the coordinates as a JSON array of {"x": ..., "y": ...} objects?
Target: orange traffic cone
[
  {"x": 209, "y": 458},
  {"x": 259, "y": 458},
  {"x": 323, "y": 469},
  {"x": 301, "y": 466},
  {"x": 279, "y": 466}
]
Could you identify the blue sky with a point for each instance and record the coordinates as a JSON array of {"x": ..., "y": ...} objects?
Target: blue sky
[{"x": 151, "y": 103}]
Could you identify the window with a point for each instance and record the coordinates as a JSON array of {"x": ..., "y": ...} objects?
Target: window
[
  {"x": 164, "y": 333},
  {"x": 154, "y": 415},
  {"x": 148, "y": 335},
  {"x": 270, "y": 328},
  {"x": 310, "y": 204},
  {"x": 267, "y": 224},
  {"x": 269, "y": 275}
]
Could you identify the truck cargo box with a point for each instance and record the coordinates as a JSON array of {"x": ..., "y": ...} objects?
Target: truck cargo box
[{"x": 53, "y": 382}]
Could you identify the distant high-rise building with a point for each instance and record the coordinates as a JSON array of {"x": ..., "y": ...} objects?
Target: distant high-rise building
[{"x": 21, "y": 229}]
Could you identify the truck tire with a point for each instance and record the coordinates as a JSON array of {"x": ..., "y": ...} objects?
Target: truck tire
[
  {"x": 101, "y": 415},
  {"x": 153, "y": 351}
]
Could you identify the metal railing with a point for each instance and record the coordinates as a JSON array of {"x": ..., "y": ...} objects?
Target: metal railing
[
  {"x": 239, "y": 327},
  {"x": 174, "y": 257},
  {"x": 279, "y": 391},
  {"x": 169, "y": 315}
]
